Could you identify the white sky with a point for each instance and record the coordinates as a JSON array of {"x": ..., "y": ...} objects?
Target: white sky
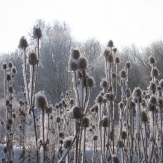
[{"x": 126, "y": 22}]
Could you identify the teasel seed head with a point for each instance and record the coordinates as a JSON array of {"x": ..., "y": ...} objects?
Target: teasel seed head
[
  {"x": 123, "y": 73},
  {"x": 161, "y": 83},
  {"x": 37, "y": 33},
  {"x": 160, "y": 102},
  {"x": 152, "y": 60},
  {"x": 95, "y": 137},
  {"x": 49, "y": 109},
  {"x": 114, "y": 75},
  {"x": 8, "y": 127},
  {"x": 85, "y": 122},
  {"x": 153, "y": 100},
  {"x": 5, "y": 150},
  {"x": 155, "y": 72},
  {"x": 128, "y": 92},
  {"x": 75, "y": 54},
  {"x": 128, "y": 65},
  {"x": 110, "y": 58},
  {"x": 117, "y": 60},
  {"x": 151, "y": 107},
  {"x": 67, "y": 143},
  {"x": 58, "y": 119},
  {"x": 120, "y": 144},
  {"x": 99, "y": 99},
  {"x": 61, "y": 134},
  {"x": 144, "y": 116},
  {"x": 105, "y": 122},
  {"x": 112, "y": 96},
  {"x": 75, "y": 113},
  {"x": 115, "y": 159},
  {"x": 73, "y": 65},
  {"x": 4, "y": 66},
  {"x": 14, "y": 70},
  {"x": 110, "y": 44},
  {"x": 123, "y": 134},
  {"x": 82, "y": 63},
  {"x": 10, "y": 121},
  {"x": 114, "y": 50},
  {"x": 8, "y": 77},
  {"x": 10, "y": 65},
  {"x": 10, "y": 89},
  {"x": 41, "y": 101},
  {"x": 106, "y": 52},
  {"x": 137, "y": 92},
  {"x": 71, "y": 102},
  {"x": 121, "y": 105},
  {"x": 152, "y": 87},
  {"x": 104, "y": 83},
  {"x": 56, "y": 105},
  {"x": 23, "y": 43},
  {"x": 90, "y": 82},
  {"x": 32, "y": 58}
]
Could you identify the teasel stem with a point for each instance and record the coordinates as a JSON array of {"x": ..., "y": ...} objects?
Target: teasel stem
[
  {"x": 116, "y": 80},
  {"x": 43, "y": 138},
  {"x": 84, "y": 135}
]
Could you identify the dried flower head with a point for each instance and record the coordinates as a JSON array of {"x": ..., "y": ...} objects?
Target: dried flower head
[
  {"x": 123, "y": 134},
  {"x": 128, "y": 92},
  {"x": 10, "y": 121},
  {"x": 120, "y": 144},
  {"x": 160, "y": 102},
  {"x": 82, "y": 63},
  {"x": 152, "y": 87},
  {"x": 151, "y": 107},
  {"x": 85, "y": 122},
  {"x": 95, "y": 137},
  {"x": 114, "y": 75},
  {"x": 105, "y": 122},
  {"x": 123, "y": 73},
  {"x": 115, "y": 159},
  {"x": 90, "y": 82},
  {"x": 137, "y": 92},
  {"x": 121, "y": 105},
  {"x": 128, "y": 65},
  {"x": 75, "y": 54},
  {"x": 71, "y": 102},
  {"x": 67, "y": 143},
  {"x": 4, "y": 66},
  {"x": 5, "y": 149},
  {"x": 99, "y": 99},
  {"x": 41, "y": 101},
  {"x": 110, "y": 44},
  {"x": 23, "y": 43},
  {"x": 61, "y": 134},
  {"x": 155, "y": 72},
  {"x": 144, "y": 116},
  {"x": 152, "y": 60},
  {"x": 10, "y": 89},
  {"x": 75, "y": 113},
  {"x": 49, "y": 109},
  {"x": 14, "y": 70},
  {"x": 58, "y": 119},
  {"x": 37, "y": 33},
  {"x": 32, "y": 58},
  {"x": 8, "y": 76},
  {"x": 110, "y": 58},
  {"x": 104, "y": 83},
  {"x": 114, "y": 50},
  {"x": 106, "y": 52},
  {"x": 153, "y": 100},
  {"x": 10, "y": 65},
  {"x": 117, "y": 60}
]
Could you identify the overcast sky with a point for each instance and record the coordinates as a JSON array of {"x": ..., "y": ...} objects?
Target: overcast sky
[{"x": 126, "y": 22}]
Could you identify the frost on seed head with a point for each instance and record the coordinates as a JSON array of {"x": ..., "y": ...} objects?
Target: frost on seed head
[
  {"x": 82, "y": 63},
  {"x": 75, "y": 54},
  {"x": 32, "y": 58},
  {"x": 37, "y": 33},
  {"x": 41, "y": 101},
  {"x": 23, "y": 43}
]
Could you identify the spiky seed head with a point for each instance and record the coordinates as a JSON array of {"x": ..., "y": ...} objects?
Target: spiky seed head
[
  {"x": 56, "y": 105},
  {"x": 85, "y": 122},
  {"x": 8, "y": 77},
  {"x": 90, "y": 82},
  {"x": 5, "y": 150},
  {"x": 7, "y": 102},
  {"x": 106, "y": 52},
  {"x": 161, "y": 83},
  {"x": 41, "y": 101},
  {"x": 114, "y": 75},
  {"x": 14, "y": 70},
  {"x": 117, "y": 60},
  {"x": 49, "y": 109},
  {"x": 153, "y": 100},
  {"x": 71, "y": 102},
  {"x": 155, "y": 72},
  {"x": 123, "y": 73},
  {"x": 112, "y": 96},
  {"x": 61, "y": 134},
  {"x": 105, "y": 122},
  {"x": 120, "y": 144},
  {"x": 23, "y": 43},
  {"x": 10, "y": 89},
  {"x": 58, "y": 119},
  {"x": 144, "y": 116},
  {"x": 75, "y": 54},
  {"x": 152, "y": 86},
  {"x": 14, "y": 115},
  {"x": 75, "y": 113},
  {"x": 4, "y": 66},
  {"x": 96, "y": 108},
  {"x": 10, "y": 65},
  {"x": 137, "y": 92},
  {"x": 110, "y": 44},
  {"x": 152, "y": 60},
  {"x": 121, "y": 105},
  {"x": 128, "y": 65},
  {"x": 128, "y": 92},
  {"x": 99, "y": 99},
  {"x": 123, "y": 134},
  {"x": 115, "y": 159},
  {"x": 32, "y": 58},
  {"x": 95, "y": 137},
  {"x": 8, "y": 127},
  {"x": 37, "y": 33},
  {"x": 60, "y": 104},
  {"x": 67, "y": 143},
  {"x": 73, "y": 65},
  {"x": 82, "y": 63},
  {"x": 110, "y": 58},
  {"x": 104, "y": 83},
  {"x": 10, "y": 121},
  {"x": 151, "y": 107},
  {"x": 160, "y": 102}
]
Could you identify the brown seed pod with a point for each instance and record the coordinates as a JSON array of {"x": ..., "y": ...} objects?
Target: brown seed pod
[
  {"x": 75, "y": 113},
  {"x": 61, "y": 134},
  {"x": 152, "y": 60},
  {"x": 75, "y": 54},
  {"x": 128, "y": 65},
  {"x": 106, "y": 52},
  {"x": 144, "y": 117},
  {"x": 73, "y": 65},
  {"x": 120, "y": 144},
  {"x": 23, "y": 43},
  {"x": 85, "y": 122},
  {"x": 123, "y": 73},
  {"x": 95, "y": 137},
  {"x": 4, "y": 66},
  {"x": 90, "y": 82},
  {"x": 105, "y": 122},
  {"x": 99, "y": 99},
  {"x": 67, "y": 143},
  {"x": 32, "y": 58},
  {"x": 37, "y": 33},
  {"x": 58, "y": 119},
  {"x": 123, "y": 134},
  {"x": 110, "y": 44},
  {"x": 117, "y": 60},
  {"x": 82, "y": 63},
  {"x": 115, "y": 159},
  {"x": 104, "y": 83}
]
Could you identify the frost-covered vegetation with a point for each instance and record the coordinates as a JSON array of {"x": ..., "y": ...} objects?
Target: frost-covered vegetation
[{"x": 35, "y": 130}]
